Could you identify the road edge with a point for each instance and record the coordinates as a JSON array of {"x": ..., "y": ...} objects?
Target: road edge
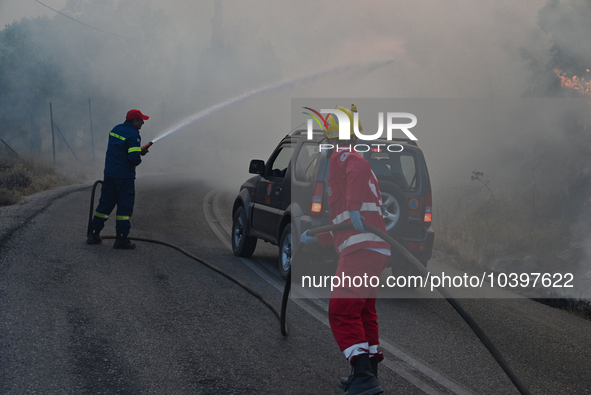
[{"x": 15, "y": 216}]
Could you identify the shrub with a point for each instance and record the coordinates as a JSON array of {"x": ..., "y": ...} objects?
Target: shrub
[
  {"x": 15, "y": 179},
  {"x": 7, "y": 198},
  {"x": 480, "y": 228},
  {"x": 24, "y": 176}
]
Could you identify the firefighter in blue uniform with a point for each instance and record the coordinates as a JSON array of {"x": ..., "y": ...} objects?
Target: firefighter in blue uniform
[{"x": 123, "y": 155}]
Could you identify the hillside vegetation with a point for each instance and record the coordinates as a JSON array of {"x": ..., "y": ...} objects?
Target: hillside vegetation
[{"x": 20, "y": 176}]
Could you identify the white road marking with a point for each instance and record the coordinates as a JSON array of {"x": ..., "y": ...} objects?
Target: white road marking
[
  {"x": 211, "y": 202},
  {"x": 218, "y": 213}
]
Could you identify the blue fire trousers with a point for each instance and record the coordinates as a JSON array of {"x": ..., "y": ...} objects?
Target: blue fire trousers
[{"x": 118, "y": 192}]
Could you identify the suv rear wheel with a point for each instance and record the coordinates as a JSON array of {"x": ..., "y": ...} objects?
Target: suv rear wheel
[
  {"x": 285, "y": 250},
  {"x": 242, "y": 244},
  {"x": 394, "y": 206}
]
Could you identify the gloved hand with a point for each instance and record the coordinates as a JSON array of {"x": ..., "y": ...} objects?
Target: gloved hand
[
  {"x": 305, "y": 239},
  {"x": 356, "y": 219},
  {"x": 144, "y": 150}
]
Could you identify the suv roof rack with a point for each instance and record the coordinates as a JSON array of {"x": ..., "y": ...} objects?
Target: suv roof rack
[{"x": 304, "y": 131}]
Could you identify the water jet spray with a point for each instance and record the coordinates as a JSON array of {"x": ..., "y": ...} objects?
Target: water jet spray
[{"x": 278, "y": 85}]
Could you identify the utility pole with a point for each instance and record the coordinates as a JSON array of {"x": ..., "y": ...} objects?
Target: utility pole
[
  {"x": 52, "y": 134},
  {"x": 91, "y": 132}
]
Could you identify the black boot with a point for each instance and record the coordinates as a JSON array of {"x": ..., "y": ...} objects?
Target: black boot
[
  {"x": 94, "y": 236},
  {"x": 374, "y": 365},
  {"x": 123, "y": 243},
  {"x": 363, "y": 382},
  {"x": 345, "y": 381}
]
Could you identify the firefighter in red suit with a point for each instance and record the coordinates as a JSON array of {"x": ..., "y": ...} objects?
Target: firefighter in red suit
[{"x": 354, "y": 196}]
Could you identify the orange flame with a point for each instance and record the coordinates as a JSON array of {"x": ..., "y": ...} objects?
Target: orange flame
[{"x": 579, "y": 84}]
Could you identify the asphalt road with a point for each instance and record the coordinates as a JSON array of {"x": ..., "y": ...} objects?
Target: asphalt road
[{"x": 76, "y": 318}]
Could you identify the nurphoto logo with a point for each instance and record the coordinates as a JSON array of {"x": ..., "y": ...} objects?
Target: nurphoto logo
[{"x": 345, "y": 128}]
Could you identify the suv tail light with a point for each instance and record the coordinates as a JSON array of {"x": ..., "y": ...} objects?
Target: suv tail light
[
  {"x": 428, "y": 211},
  {"x": 416, "y": 246},
  {"x": 316, "y": 201}
]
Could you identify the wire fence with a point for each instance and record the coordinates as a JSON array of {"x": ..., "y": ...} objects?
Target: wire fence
[{"x": 58, "y": 138}]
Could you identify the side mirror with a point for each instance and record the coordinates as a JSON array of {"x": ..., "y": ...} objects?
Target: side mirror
[{"x": 257, "y": 166}]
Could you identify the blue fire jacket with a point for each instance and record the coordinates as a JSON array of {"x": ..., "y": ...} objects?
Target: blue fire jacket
[{"x": 123, "y": 151}]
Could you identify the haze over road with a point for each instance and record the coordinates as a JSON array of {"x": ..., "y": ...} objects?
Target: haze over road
[{"x": 76, "y": 318}]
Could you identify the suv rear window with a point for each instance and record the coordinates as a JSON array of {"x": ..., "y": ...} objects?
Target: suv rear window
[{"x": 397, "y": 167}]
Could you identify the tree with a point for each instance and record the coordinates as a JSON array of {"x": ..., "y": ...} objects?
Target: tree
[{"x": 28, "y": 78}]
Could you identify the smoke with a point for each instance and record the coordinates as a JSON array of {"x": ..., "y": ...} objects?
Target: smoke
[
  {"x": 453, "y": 51},
  {"x": 181, "y": 58},
  {"x": 188, "y": 56},
  {"x": 222, "y": 74},
  {"x": 260, "y": 91}
]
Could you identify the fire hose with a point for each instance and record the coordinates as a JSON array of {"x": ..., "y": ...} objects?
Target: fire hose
[
  {"x": 283, "y": 314},
  {"x": 423, "y": 272},
  {"x": 209, "y": 265}
]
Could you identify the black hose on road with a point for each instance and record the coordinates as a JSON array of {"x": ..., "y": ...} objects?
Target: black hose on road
[
  {"x": 209, "y": 265},
  {"x": 283, "y": 314},
  {"x": 415, "y": 262}
]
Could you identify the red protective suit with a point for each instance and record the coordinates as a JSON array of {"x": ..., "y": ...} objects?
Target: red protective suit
[{"x": 352, "y": 314}]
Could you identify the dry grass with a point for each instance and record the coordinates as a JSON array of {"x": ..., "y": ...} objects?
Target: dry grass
[
  {"x": 516, "y": 226},
  {"x": 23, "y": 176}
]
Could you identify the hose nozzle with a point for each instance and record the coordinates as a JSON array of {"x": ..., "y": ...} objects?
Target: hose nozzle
[{"x": 145, "y": 148}]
